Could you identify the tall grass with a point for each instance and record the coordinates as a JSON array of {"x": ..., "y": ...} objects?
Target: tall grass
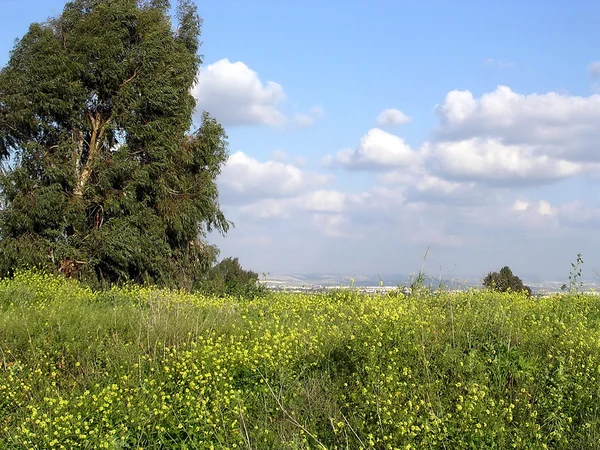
[{"x": 143, "y": 368}]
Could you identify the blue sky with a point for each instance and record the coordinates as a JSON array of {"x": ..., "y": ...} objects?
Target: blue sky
[{"x": 487, "y": 151}]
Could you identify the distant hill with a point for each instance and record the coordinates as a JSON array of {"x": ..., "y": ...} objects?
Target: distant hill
[{"x": 343, "y": 279}]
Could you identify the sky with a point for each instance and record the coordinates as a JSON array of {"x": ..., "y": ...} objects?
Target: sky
[{"x": 362, "y": 132}]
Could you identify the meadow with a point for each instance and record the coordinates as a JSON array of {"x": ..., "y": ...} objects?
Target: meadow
[{"x": 143, "y": 368}]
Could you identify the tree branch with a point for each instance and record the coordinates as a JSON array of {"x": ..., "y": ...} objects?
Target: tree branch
[
  {"x": 83, "y": 176},
  {"x": 135, "y": 72}
]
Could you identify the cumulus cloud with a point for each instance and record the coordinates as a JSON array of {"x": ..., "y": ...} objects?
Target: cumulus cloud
[
  {"x": 331, "y": 213},
  {"x": 235, "y": 95},
  {"x": 489, "y": 160},
  {"x": 454, "y": 165},
  {"x": 317, "y": 201},
  {"x": 564, "y": 125},
  {"x": 244, "y": 178},
  {"x": 520, "y": 205},
  {"x": 422, "y": 186},
  {"x": 483, "y": 148},
  {"x": 377, "y": 150},
  {"x": 434, "y": 190},
  {"x": 325, "y": 201},
  {"x": 392, "y": 117},
  {"x": 564, "y": 218},
  {"x": 542, "y": 207},
  {"x": 574, "y": 214},
  {"x": 268, "y": 208}
]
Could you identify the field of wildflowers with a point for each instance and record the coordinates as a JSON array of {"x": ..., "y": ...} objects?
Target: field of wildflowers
[{"x": 138, "y": 368}]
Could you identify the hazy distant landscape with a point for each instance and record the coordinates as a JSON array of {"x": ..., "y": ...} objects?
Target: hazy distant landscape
[{"x": 315, "y": 282}]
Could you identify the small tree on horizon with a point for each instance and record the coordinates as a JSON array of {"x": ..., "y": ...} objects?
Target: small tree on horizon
[
  {"x": 505, "y": 280},
  {"x": 105, "y": 182}
]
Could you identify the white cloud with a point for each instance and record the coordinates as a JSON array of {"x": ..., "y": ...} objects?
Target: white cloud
[
  {"x": 425, "y": 187},
  {"x": 377, "y": 150},
  {"x": 317, "y": 201},
  {"x": 244, "y": 177},
  {"x": 268, "y": 208},
  {"x": 544, "y": 208},
  {"x": 566, "y": 126},
  {"x": 391, "y": 117},
  {"x": 458, "y": 107},
  {"x": 235, "y": 95},
  {"x": 325, "y": 200},
  {"x": 520, "y": 205},
  {"x": 489, "y": 160},
  {"x": 542, "y": 216},
  {"x": 539, "y": 215},
  {"x": 429, "y": 183}
]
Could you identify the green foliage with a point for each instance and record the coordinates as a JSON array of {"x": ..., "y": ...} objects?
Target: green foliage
[
  {"x": 228, "y": 278},
  {"x": 136, "y": 367},
  {"x": 574, "y": 276},
  {"x": 106, "y": 182},
  {"x": 505, "y": 281}
]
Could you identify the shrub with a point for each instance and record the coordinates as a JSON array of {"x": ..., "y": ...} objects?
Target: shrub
[
  {"x": 228, "y": 278},
  {"x": 504, "y": 281}
]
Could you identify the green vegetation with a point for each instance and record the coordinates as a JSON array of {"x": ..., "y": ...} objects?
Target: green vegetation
[
  {"x": 106, "y": 183},
  {"x": 228, "y": 278},
  {"x": 505, "y": 281},
  {"x": 575, "y": 284},
  {"x": 136, "y": 367}
]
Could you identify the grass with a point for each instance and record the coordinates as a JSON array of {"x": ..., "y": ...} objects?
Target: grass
[{"x": 141, "y": 368}]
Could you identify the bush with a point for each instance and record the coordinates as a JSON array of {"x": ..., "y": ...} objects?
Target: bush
[
  {"x": 504, "y": 281},
  {"x": 229, "y": 278}
]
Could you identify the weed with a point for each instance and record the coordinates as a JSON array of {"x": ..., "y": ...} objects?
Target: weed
[{"x": 574, "y": 276}]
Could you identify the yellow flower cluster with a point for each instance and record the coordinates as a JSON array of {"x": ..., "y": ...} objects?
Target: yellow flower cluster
[{"x": 143, "y": 368}]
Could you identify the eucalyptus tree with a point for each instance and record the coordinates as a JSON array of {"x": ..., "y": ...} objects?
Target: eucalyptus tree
[{"x": 105, "y": 177}]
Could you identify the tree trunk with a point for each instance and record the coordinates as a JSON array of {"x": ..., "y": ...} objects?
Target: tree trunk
[{"x": 83, "y": 169}]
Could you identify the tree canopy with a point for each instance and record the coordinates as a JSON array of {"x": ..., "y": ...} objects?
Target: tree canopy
[
  {"x": 102, "y": 178},
  {"x": 504, "y": 281},
  {"x": 229, "y": 278}
]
